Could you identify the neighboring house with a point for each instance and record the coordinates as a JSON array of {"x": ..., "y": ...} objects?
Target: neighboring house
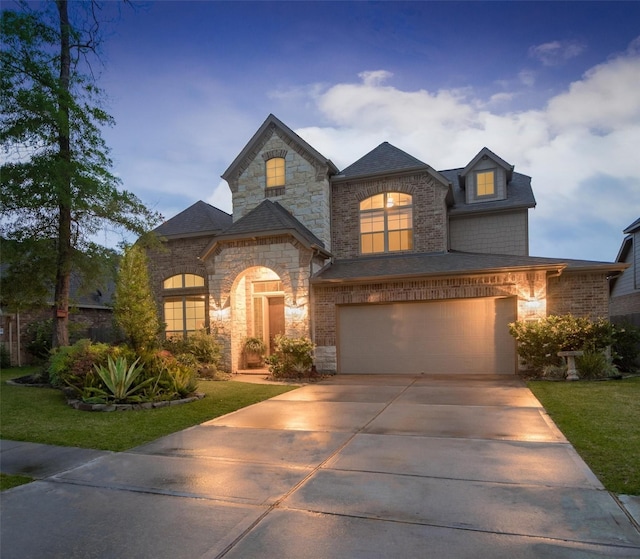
[
  {"x": 389, "y": 266},
  {"x": 625, "y": 287},
  {"x": 90, "y": 316}
]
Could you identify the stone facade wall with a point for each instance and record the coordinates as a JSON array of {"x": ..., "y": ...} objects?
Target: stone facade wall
[
  {"x": 229, "y": 275},
  {"x": 491, "y": 234},
  {"x": 429, "y": 212},
  {"x": 306, "y": 193},
  {"x": 580, "y": 294}
]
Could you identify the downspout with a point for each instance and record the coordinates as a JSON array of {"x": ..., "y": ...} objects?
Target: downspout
[
  {"x": 556, "y": 274},
  {"x": 312, "y": 325}
]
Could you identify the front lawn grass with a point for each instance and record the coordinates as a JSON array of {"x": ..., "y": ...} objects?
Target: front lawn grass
[
  {"x": 8, "y": 481},
  {"x": 41, "y": 415},
  {"x": 602, "y": 422}
]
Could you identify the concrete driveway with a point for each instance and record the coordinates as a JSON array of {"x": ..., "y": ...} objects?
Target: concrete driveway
[{"x": 352, "y": 467}]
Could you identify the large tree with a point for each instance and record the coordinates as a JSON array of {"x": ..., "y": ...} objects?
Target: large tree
[{"x": 56, "y": 181}]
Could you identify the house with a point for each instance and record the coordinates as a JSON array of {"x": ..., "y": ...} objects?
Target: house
[
  {"x": 388, "y": 265},
  {"x": 90, "y": 316},
  {"x": 625, "y": 287}
]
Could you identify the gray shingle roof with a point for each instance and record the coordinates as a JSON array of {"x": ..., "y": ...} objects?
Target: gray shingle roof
[
  {"x": 269, "y": 218},
  {"x": 519, "y": 195},
  {"x": 383, "y": 159},
  {"x": 444, "y": 264},
  {"x": 199, "y": 219}
]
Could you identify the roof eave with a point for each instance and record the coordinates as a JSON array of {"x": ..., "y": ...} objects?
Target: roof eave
[
  {"x": 260, "y": 235},
  {"x": 394, "y": 173},
  {"x": 468, "y": 210},
  {"x": 470, "y": 272},
  {"x": 193, "y": 235}
]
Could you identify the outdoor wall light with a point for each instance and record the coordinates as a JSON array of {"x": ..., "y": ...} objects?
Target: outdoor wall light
[
  {"x": 221, "y": 314},
  {"x": 294, "y": 312}
]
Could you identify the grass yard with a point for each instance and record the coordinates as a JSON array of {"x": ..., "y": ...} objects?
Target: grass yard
[
  {"x": 41, "y": 415},
  {"x": 602, "y": 422},
  {"x": 8, "y": 481}
]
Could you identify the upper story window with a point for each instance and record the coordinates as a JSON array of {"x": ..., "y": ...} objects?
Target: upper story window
[
  {"x": 386, "y": 223},
  {"x": 275, "y": 172},
  {"x": 181, "y": 281},
  {"x": 485, "y": 183}
]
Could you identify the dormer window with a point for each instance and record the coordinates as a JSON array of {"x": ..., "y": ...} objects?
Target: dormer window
[
  {"x": 485, "y": 183},
  {"x": 275, "y": 172}
]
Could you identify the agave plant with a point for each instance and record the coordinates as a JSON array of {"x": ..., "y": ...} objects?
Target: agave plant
[{"x": 120, "y": 379}]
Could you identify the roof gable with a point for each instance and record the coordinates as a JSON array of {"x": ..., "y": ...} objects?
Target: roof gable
[
  {"x": 383, "y": 159},
  {"x": 485, "y": 153},
  {"x": 271, "y": 124},
  {"x": 198, "y": 219},
  {"x": 387, "y": 159}
]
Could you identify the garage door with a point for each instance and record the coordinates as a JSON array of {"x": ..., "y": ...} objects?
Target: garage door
[{"x": 457, "y": 336}]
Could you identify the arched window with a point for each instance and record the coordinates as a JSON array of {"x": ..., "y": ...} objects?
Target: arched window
[
  {"x": 184, "y": 305},
  {"x": 275, "y": 172},
  {"x": 386, "y": 223},
  {"x": 180, "y": 281}
]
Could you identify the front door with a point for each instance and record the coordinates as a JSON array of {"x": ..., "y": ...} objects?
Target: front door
[{"x": 276, "y": 320}]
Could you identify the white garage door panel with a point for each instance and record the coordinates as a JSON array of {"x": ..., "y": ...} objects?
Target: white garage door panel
[{"x": 460, "y": 336}]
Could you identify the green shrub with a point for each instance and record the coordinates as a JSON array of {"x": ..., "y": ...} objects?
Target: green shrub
[
  {"x": 554, "y": 372},
  {"x": 38, "y": 336},
  {"x": 594, "y": 364},
  {"x": 292, "y": 357},
  {"x": 97, "y": 372},
  {"x": 171, "y": 378},
  {"x": 5, "y": 357},
  {"x": 73, "y": 366},
  {"x": 200, "y": 351},
  {"x": 626, "y": 346},
  {"x": 540, "y": 341}
]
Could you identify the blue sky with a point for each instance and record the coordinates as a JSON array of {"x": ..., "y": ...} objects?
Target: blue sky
[{"x": 551, "y": 87}]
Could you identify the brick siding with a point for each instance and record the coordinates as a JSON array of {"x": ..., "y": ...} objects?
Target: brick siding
[
  {"x": 429, "y": 212},
  {"x": 579, "y": 294}
]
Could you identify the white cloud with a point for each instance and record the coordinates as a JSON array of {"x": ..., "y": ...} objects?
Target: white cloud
[
  {"x": 527, "y": 77},
  {"x": 555, "y": 53},
  {"x": 581, "y": 149},
  {"x": 605, "y": 99},
  {"x": 376, "y": 77}
]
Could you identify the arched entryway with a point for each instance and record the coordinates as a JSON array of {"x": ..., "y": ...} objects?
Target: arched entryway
[{"x": 257, "y": 308}]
